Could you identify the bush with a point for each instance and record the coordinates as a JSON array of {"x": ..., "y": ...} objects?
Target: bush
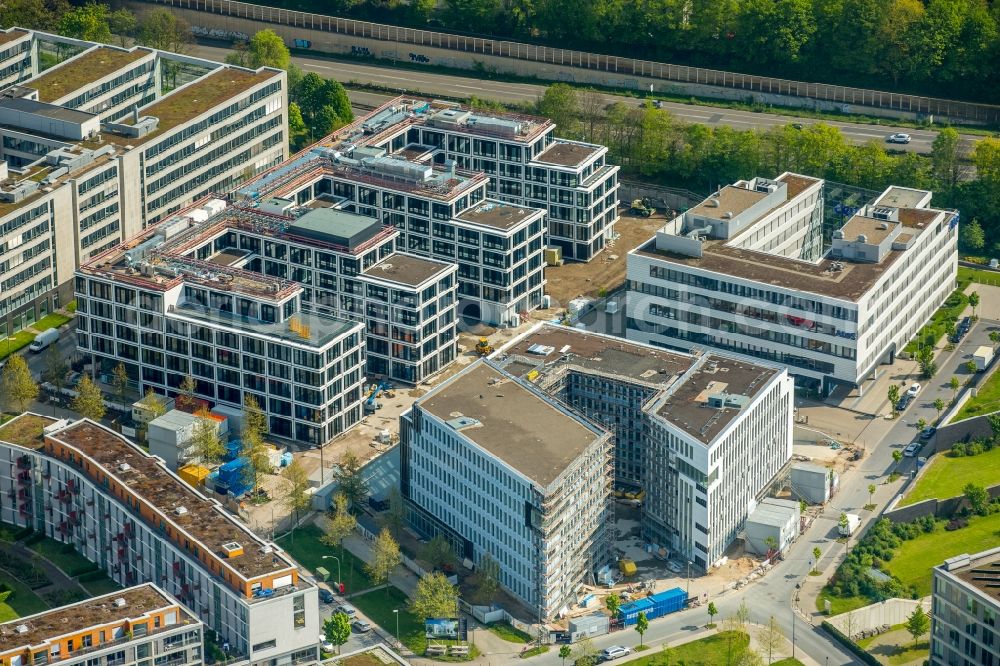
[
  {"x": 91, "y": 576},
  {"x": 956, "y": 524}
]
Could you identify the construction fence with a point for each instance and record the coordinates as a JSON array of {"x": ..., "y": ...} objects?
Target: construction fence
[{"x": 915, "y": 104}]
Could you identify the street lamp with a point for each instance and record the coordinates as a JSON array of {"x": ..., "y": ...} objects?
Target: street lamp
[
  {"x": 798, "y": 586},
  {"x": 395, "y": 611},
  {"x": 334, "y": 557}
]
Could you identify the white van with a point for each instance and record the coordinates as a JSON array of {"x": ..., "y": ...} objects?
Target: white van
[{"x": 43, "y": 340}]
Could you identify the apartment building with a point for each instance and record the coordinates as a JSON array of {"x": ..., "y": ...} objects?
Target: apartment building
[
  {"x": 745, "y": 271},
  {"x": 441, "y": 212},
  {"x": 83, "y": 484},
  {"x": 174, "y": 301},
  {"x": 704, "y": 435},
  {"x": 108, "y": 140},
  {"x": 134, "y": 626},
  {"x": 964, "y": 611},
  {"x": 501, "y": 469},
  {"x": 526, "y": 164}
]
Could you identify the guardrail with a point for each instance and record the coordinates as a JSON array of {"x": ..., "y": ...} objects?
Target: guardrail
[{"x": 972, "y": 111}]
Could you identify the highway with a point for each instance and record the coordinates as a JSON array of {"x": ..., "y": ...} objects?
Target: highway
[{"x": 431, "y": 84}]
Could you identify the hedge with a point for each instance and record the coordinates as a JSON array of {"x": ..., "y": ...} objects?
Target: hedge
[{"x": 853, "y": 647}]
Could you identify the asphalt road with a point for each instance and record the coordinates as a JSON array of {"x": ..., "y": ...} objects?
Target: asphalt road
[{"x": 413, "y": 81}]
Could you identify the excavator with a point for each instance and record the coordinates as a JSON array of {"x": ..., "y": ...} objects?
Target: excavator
[
  {"x": 642, "y": 208},
  {"x": 483, "y": 347}
]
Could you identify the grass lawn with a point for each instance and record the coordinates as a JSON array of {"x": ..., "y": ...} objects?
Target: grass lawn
[
  {"x": 946, "y": 475},
  {"x": 66, "y": 558},
  {"x": 942, "y": 318},
  {"x": 18, "y": 341},
  {"x": 535, "y": 651},
  {"x": 913, "y": 559},
  {"x": 54, "y": 320},
  {"x": 100, "y": 586},
  {"x": 708, "y": 651},
  {"x": 788, "y": 661},
  {"x": 507, "y": 632},
  {"x": 967, "y": 275},
  {"x": 22, "y": 602},
  {"x": 307, "y": 549},
  {"x": 839, "y": 605},
  {"x": 987, "y": 400},
  {"x": 896, "y": 647}
]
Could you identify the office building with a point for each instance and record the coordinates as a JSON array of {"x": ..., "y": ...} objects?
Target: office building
[
  {"x": 526, "y": 163},
  {"x": 108, "y": 140},
  {"x": 126, "y": 628},
  {"x": 440, "y": 211},
  {"x": 965, "y": 604},
  {"x": 745, "y": 271},
  {"x": 83, "y": 484},
  {"x": 503, "y": 470},
  {"x": 705, "y": 436}
]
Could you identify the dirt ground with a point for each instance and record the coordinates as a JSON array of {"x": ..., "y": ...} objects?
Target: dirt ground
[{"x": 607, "y": 270}]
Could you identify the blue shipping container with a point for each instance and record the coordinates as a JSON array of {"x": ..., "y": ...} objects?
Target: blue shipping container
[
  {"x": 233, "y": 471},
  {"x": 654, "y": 606},
  {"x": 629, "y": 613},
  {"x": 233, "y": 449},
  {"x": 669, "y": 601}
]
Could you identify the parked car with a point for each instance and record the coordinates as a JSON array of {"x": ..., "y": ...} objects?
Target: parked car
[
  {"x": 325, "y": 595},
  {"x": 899, "y": 137},
  {"x": 614, "y": 652},
  {"x": 927, "y": 433},
  {"x": 325, "y": 645},
  {"x": 43, "y": 340},
  {"x": 913, "y": 390},
  {"x": 921, "y": 461},
  {"x": 965, "y": 324},
  {"x": 361, "y": 626},
  {"x": 912, "y": 449},
  {"x": 904, "y": 402},
  {"x": 348, "y": 610}
]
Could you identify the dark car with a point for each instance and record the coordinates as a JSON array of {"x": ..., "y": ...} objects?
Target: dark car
[
  {"x": 927, "y": 433},
  {"x": 325, "y": 595},
  {"x": 965, "y": 324},
  {"x": 903, "y": 403}
]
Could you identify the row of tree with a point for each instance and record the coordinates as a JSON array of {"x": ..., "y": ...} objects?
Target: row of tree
[
  {"x": 652, "y": 144},
  {"x": 946, "y": 47}
]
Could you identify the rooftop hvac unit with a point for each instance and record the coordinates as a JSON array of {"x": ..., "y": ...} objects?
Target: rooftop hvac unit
[
  {"x": 399, "y": 168},
  {"x": 882, "y": 213},
  {"x": 766, "y": 186},
  {"x": 124, "y": 467},
  {"x": 120, "y": 602},
  {"x": 22, "y": 628},
  {"x": 497, "y": 125},
  {"x": 181, "y": 510}
]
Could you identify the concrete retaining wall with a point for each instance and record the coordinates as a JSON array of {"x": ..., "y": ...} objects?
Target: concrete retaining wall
[{"x": 890, "y": 611}]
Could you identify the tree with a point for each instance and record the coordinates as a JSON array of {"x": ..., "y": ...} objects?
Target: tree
[
  {"x": 946, "y": 161},
  {"x": 770, "y": 637},
  {"x": 925, "y": 358},
  {"x": 385, "y": 558},
  {"x": 641, "y": 625},
  {"x": 564, "y": 652},
  {"x": 974, "y": 302},
  {"x": 119, "y": 381},
  {"x": 337, "y": 629},
  {"x": 978, "y": 498},
  {"x": 19, "y": 387},
  {"x": 341, "y": 525},
  {"x": 559, "y": 103},
  {"x": 897, "y": 456},
  {"x": 971, "y": 367},
  {"x": 298, "y": 133},
  {"x": 154, "y": 404},
  {"x": 252, "y": 438},
  {"x": 487, "y": 579},
  {"x": 265, "y": 49},
  {"x": 434, "y": 597},
  {"x": 893, "y": 395},
  {"x": 613, "y": 602},
  {"x": 771, "y": 543},
  {"x": 438, "y": 553},
  {"x": 351, "y": 479},
  {"x": 742, "y": 615},
  {"x": 917, "y": 623},
  {"x": 208, "y": 448},
  {"x": 31, "y": 14},
  {"x": 921, "y": 423},
  {"x": 939, "y": 406},
  {"x": 89, "y": 22},
  {"x": 712, "y": 612},
  {"x": 585, "y": 653},
  {"x": 993, "y": 418},
  {"x": 971, "y": 236},
  {"x": 817, "y": 553},
  {"x": 89, "y": 401},
  {"x": 995, "y": 338},
  {"x": 123, "y": 23},
  {"x": 185, "y": 400},
  {"x": 297, "y": 499},
  {"x": 871, "y": 492},
  {"x": 324, "y": 104},
  {"x": 55, "y": 368},
  {"x": 843, "y": 523},
  {"x": 161, "y": 29},
  {"x": 394, "y": 517},
  {"x": 954, "y": 384}
]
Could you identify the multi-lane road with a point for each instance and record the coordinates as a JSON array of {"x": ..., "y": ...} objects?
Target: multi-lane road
[{"x": 428, "y": 83}]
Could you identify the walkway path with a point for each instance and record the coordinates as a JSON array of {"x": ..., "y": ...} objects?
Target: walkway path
[{"x": 58, "y": 580}]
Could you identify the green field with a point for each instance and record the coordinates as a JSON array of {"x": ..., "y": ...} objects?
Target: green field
[
  {"x": 839, "y": 605},
  {"x": 967, "y": 275},
  {"x": 18, "y": 341},
  {"x": 100, "y": 586},
  {"x": 507, "y": 632},
  {"x": 65, "y": 557},
  {"x": 54, "y": 320},
  {"x": 947, "y": 475},
  {"x": 987, "y": 400},
  {"x": 713, "y": 650},
  {"x": 914, "y": 558},
  {"x": 305, "y": 546},
  {"x": 22, "y": 602}
]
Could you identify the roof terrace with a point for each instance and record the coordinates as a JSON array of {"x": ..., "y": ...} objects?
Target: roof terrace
[
  {"x": 79, "y": 72},
  {"x": 498, "y": 214},
  {"x": 407, "y": 270},
  {"x": 26, "y": 430},
  {"x": 177, "y": 503}
]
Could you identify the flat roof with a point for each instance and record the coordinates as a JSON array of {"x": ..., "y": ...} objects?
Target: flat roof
[
  {"x": 195, "y": 99},
  {"x": 902, "y": 197},
  {"x": 407, "y": 269},
  {"x": 311, "y": 330},
  {"x": 26, "y": 430},
  {"x": 729, "y": 199},
  {"x": 104, "y": 610},
  {"x": 869, "y": 227},
  {"x": 333, "y": 225},
  {"x": 77, "y": 73},
  {"x": 149, "y": 478},
  {"x": 11, "y": 35},
  {"x": 981, "y": 571},
  {"x": 566, "y": 153},
  {"x": 25, "y": 105},
  {"x": 497, "y": 214},
  {"x": 525, "y": 430}
]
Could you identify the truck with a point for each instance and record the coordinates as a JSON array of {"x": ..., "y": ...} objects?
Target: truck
[
  {"x": 43, "y": 340},
  {"x": 983, "y": 357},
  {"x": 852, "y": 523}
]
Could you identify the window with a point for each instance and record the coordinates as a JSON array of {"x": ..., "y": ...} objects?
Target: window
[{"x": 299, "y": 611}]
